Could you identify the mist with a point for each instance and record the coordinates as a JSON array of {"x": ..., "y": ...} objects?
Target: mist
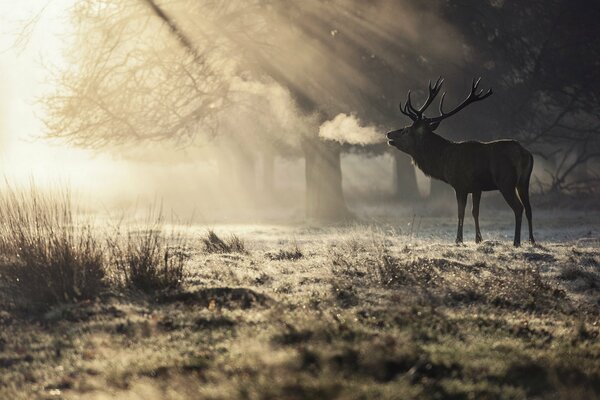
[
  {"x": 261, "y": 114},
  {"x": 131, "y": 116}
]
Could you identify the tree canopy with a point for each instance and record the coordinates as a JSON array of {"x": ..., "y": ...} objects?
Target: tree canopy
[{"x": 187, "y": 69}]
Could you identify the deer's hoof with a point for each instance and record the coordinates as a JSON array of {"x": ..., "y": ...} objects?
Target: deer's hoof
[
  {"x": 517, "y": 244},
  {"x": 478, "y": 239}
]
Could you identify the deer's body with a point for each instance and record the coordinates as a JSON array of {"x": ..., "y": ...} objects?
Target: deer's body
[
  {"x": 474, "y": 166},
  {"x": 469, "y": 167}
]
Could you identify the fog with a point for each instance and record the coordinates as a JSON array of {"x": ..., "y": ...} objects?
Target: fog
[{"x": 216, "y": 115}]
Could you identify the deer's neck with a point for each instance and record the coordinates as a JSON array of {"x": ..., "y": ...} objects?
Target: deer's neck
[{"x": 429, "y": 154}]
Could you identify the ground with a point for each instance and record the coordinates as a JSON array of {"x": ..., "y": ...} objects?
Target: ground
[{"x": 362, "y": 311}]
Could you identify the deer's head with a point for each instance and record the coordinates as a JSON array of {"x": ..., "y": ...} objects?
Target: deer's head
[{"x": 406, "y": 139}]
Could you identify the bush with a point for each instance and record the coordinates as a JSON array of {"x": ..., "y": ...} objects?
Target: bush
[
  {"x": 147, "y": 259},
  {"x": 214, "y": 244},
  {"x": 48, "y": 256}
]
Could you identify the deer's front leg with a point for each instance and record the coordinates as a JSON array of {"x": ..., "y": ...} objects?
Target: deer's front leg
[{"x": 461, "y": 199}]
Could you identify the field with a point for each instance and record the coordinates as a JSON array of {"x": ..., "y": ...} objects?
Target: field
[{"x": 361, "y": 311}]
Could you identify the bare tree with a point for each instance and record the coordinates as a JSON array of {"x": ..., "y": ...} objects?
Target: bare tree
[
  {"x": 134, "y": 83},
  {"x": 128, "y": 82},
  {"x": 137, "y": 76}
]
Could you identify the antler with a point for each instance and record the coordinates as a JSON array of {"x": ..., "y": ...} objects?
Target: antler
[
  {"x": 473, "y": 96},
  {"x": 408, "y": 109},
  {"x": 433, "y": 92}
]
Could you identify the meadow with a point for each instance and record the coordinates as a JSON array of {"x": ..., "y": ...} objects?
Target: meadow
[{"x": 364, "y": 310}]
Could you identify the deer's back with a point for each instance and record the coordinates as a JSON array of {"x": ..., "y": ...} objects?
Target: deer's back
[{"x": 480, "y": 166}]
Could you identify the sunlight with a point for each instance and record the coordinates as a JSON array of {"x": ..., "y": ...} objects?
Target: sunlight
[{"x": 33, "y": 38}]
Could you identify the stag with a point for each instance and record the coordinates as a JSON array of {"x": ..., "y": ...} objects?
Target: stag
[{"x": 471, "y": 166}]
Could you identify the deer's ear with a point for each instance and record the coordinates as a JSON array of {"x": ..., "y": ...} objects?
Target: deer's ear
[{"x": 434, "y": 125}]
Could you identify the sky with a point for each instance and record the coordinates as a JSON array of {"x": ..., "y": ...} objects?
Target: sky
[
  {"x": 25, "y": 52},
  {"x": 100, "y": 180}
]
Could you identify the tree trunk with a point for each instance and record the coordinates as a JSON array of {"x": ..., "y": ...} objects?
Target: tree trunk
[
  {"x": 405, "y": 180},
  {"x": 323, "y": 174}
]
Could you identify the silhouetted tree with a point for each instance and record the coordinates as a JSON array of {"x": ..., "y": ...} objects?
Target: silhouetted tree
[
  {"x": 545, "y": 57},
  {"x": 136, "y": 76},
  {"x": 133, "y": 82}
]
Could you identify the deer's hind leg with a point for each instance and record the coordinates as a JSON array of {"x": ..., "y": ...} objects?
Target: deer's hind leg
[
  {"x": 523, "y": 190},
  {"x": 475, "y": 211},
  {"x": 510, "y": 195}
]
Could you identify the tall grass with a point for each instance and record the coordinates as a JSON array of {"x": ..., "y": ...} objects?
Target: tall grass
[
  {"x": 47, "y": 255},
  {"x": 148, "y": 259}
]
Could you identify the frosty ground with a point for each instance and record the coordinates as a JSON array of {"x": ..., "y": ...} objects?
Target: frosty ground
[{"x": 384, "y": 307}]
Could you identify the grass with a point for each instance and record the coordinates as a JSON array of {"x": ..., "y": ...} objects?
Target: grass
[
  {"x": 292, "y": 253},
  {"x": 362, "y": 314},
  {"x": 147, "y": 259},
  {"x": 48, "y": 255},
  {"x": 215, "y": 244},
  {"x": 444, "y": 281}
]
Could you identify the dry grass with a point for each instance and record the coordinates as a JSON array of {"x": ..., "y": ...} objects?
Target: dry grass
[
  {"x": 446, "y": 281},
  {"x": 48, "y": 255},
  {"x": 292, "y": 253},
  {"x": 215, "y": 244},
  {"x": 146, "y": 258},
  {"x": 364, "y": 313}
]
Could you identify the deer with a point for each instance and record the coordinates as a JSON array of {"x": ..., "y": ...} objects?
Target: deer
[{"x": 470, "y": 167}]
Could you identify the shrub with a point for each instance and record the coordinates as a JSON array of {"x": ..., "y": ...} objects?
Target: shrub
[
  {"x": 48, "y": 255},
  {"x": 147, "y": 259},
  {"x": 214, "y": 244}
]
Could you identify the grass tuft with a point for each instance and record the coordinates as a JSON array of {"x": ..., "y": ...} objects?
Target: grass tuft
[
  {"x": 214, "y": 244},
  {"x": 147, "y": 259},
  {"x": 48, "y": 256},
  {"x": 290, "y": 254}
]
